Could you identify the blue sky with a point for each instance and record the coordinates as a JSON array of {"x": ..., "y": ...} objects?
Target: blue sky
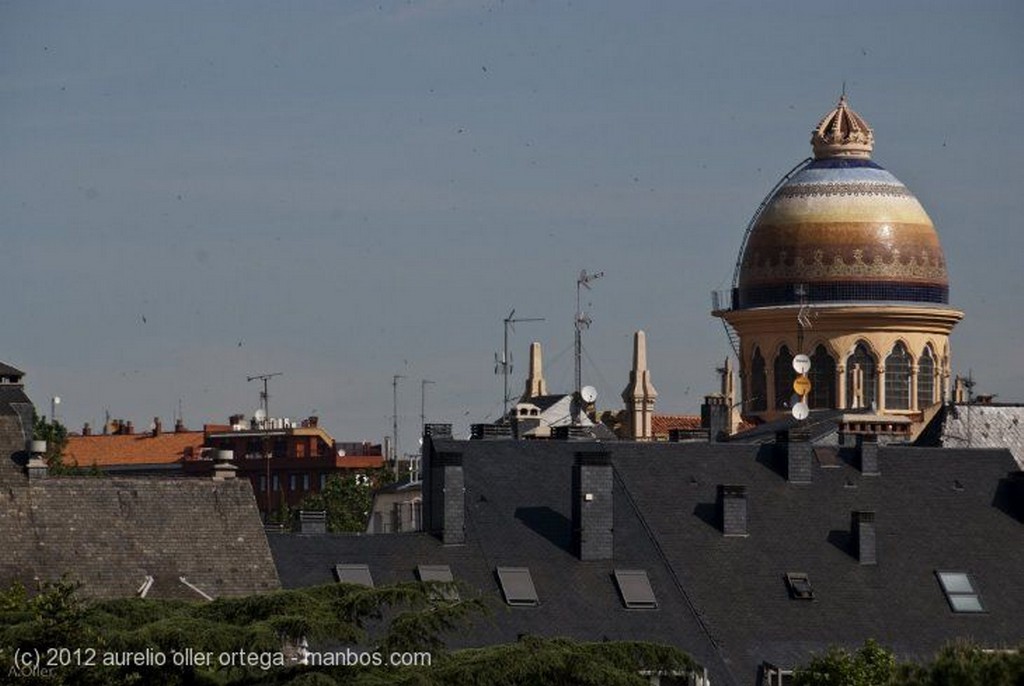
[{"x": 345, "y": 191}]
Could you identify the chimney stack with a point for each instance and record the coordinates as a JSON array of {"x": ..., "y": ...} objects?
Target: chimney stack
[
  {"x": 179, "y": 425},
  {"x": 862, "y": 525},
  {"x": 36, "y": 467},
  {"x": 640, "y": 395},
  {"x": 223, "y": 465},
  {"x": 535, "y": 384},
  {"x": 129, "y": 428},
  {"x": 86, "y": 429},
  {"x": 444, "y": 491},
  {"x": 592, "y": 514},
  {"x": 732, "y": 509},
  {"x": 158, "y": 426},
  {"x": 867, "y": 445},
  {"x": 796, "y": 447},
  {"x": 714, "y": 416}
]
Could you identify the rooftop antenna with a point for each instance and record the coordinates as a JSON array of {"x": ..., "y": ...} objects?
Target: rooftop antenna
[
  {"x": 504, "y": 365},
  {"x": 582, "y": 322},
  {"x": 803, "y": 316},
  {"x": 423, "y": 404},
  {"x": 394, "y": 419},
  {"x": 265, "y": 393}
]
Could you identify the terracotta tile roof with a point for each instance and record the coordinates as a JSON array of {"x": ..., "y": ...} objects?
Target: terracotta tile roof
[
  {"x": 360, "y": 462},
  {"x": 662, "y": 423},
  {"x": 125, "y": 449}
]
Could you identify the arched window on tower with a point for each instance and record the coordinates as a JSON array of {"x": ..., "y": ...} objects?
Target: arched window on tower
[
  {"x": 823, "y": 380},
  {"x": 784, "y": 376},
  {"x": 926, "y": 379},
  {"x": 758, "y": 400},
  {"x": 861, "y": 362},
  {"x": 897, "y": 378}
]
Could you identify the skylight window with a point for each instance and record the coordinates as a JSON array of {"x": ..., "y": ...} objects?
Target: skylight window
[
  {"x": 517, "y": 585},
  {"x": 960, "y": 591},
  {"x": 440, "y": 573},
  {"x": 354, "y": 574},
  {"x": 799, "y": 586},
  {"x": 635, "y": 588}
]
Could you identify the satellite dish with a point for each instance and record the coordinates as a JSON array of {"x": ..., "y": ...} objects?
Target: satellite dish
[
  {"x": 259, "y": 415},
  {"x": 801, "y": 411},
  {"x": 801, "y": 364},
  {"x": 588, "y": 394}
]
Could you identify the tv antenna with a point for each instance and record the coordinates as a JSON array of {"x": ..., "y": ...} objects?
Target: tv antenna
[
  {"x": 582, "y": 322},
  {"x": 423, "y": 405},
  {"x": 394, "y": 420},
  {"x": 265, "y": 393},
  {"x": 503, "y": 365}
]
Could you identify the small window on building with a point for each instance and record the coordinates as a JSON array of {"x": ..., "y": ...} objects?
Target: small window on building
[
  {"x": 275, "y": 483},
  {"x": 354, "y": 574},
  {"x": 635, "y": 589},
  {"x": 305, "y": 482},
  {"x": 799, "y": 586},
  {"x": 517, "y": 585},
  {"x": 263, "y": 484},
  {"x": 441, "y": 573},
  {"x": 323, "y": 480},
  {"x": 960, "y": 591},
  {"x": 293, "y": 482}
]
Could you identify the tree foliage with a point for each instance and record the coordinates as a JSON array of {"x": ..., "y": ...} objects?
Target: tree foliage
[
  {"x": 956, "y": 664},
  {"x": 56, "y": 436},
  {"x": 347, "y": 499},
  {"x": 404, "y": 617}
]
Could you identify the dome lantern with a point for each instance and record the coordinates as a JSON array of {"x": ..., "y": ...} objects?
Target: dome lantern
[{"x": 842, "y": 133}]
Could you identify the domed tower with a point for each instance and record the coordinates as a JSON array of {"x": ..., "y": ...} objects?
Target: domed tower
[{"x": 841, "y": 263}]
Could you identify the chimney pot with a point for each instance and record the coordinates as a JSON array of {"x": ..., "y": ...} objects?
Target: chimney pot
[
  {"x": 129, "y": 428},
  {"x": 157, "y": 426},
  {"x": 312, "y": 522},
  {"x": 179, "y": 426},
  {"x": 714, "y": 416},
  {"x": 36, "y": 467},
  {"x": 86, "y": 429},
  {"x": 223, "y": 465}
]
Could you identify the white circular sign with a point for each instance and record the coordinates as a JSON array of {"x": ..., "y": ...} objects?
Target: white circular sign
[
  {"x": 800, "y": 411},
  {"x": 802, "y": 364}
]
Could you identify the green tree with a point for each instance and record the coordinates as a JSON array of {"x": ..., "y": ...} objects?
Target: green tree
[
  {"x": 56, "y": 437},
  {"x": 346, "y": 500},
  {"x": 871, "y": 665}
]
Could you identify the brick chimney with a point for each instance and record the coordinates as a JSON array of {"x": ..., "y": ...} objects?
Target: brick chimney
[
  {"x": 592, "y": 513},
  {"x": 867, "y": 447},
  {"x": 862, "y": 527},
  {"x": 157, "y": 426},
  {"x": 86, "y": 429},
  {"x": 223, "y": 465},
  {"x": 445, "y": 496},
  {"x": 732, "y": 509},
  {"x": 128, "y": 428},
  {"x": 714, "y": 416},
  {"x": 179, "y": 425}
]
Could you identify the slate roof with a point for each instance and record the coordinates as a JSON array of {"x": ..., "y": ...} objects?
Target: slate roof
[
  {"x": 111, "y": 534},
  {"x": 722, "y": 599},
  {"x": 8, "y": 370},
  {"x": 978, "y": 426},
  {"x": 132, "y": 449}
]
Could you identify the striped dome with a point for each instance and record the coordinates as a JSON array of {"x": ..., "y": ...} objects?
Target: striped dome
[{"x": 842, "y": 229}]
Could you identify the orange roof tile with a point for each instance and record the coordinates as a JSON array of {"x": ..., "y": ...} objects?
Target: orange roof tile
[
  {"x": 661, "y": 424},
  {"x": 131, "y": 449},
  {"x": 360, "y": 462}
]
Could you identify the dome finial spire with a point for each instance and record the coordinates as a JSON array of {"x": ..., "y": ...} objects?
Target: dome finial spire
[{"x": 842, "y": 133}]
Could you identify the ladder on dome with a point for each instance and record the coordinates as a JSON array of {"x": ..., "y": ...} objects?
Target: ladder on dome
[{"x": 730, "y": 332}]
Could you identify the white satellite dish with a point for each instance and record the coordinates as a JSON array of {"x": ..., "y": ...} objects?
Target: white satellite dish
[
  {"x": 259, "y": 415},
  {"x": 801, "y": 411},
  {"x": 802, "y": 364},
  {"x": 588, "y": 394}
]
